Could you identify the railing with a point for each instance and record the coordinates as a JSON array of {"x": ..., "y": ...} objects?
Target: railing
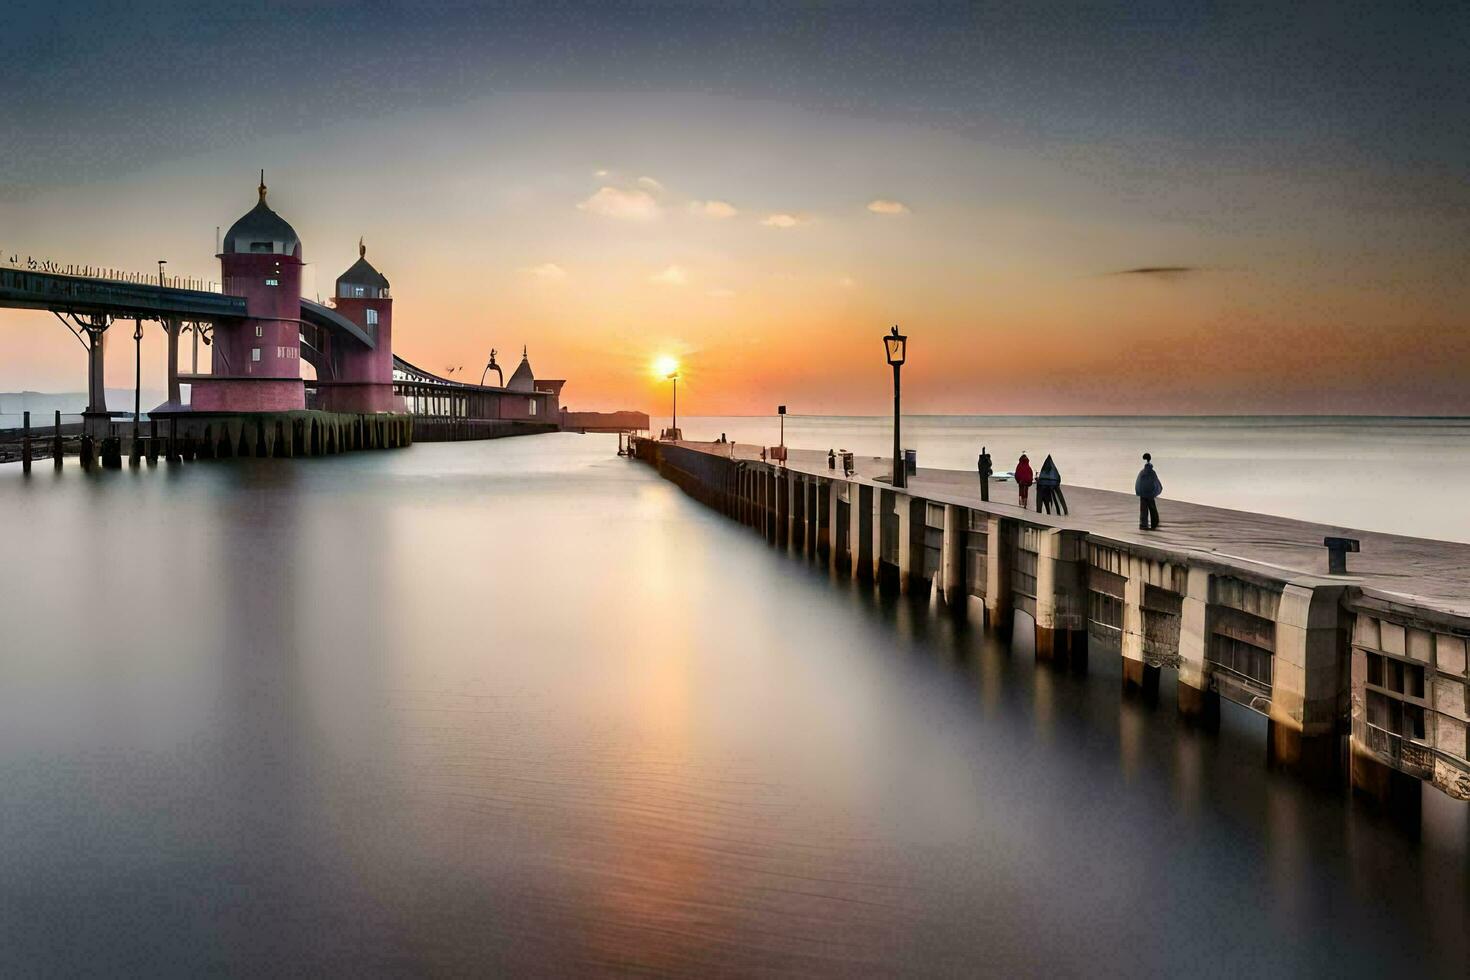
[{"x": 31, "y": 264}]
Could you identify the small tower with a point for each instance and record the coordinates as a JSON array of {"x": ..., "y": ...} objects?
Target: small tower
[
  {"x": 257, "y": 360},
  {"x": 364, "y": 379}
]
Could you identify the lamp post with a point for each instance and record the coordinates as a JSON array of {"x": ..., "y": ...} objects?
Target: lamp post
[
  {"x": 674, "y": 377},
  {"x": 894, "y": 345},
  {"x": 781, "y": 411}
]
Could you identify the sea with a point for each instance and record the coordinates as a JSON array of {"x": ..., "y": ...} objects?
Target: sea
[{"x": 522, "y": 707}]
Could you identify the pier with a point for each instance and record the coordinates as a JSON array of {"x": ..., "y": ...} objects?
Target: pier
[{"x": 1360, "y": 673}]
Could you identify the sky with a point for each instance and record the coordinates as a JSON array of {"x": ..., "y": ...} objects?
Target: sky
[{"x": 1148, "y": 208}]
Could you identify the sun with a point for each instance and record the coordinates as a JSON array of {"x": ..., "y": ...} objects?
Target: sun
[{"x": 665, "y": 365}]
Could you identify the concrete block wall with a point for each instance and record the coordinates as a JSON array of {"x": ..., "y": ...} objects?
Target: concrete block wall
[{"x": 1308, "y": 653}]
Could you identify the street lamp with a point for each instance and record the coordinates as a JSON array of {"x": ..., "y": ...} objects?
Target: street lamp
[
  {"x": 895, "y": 345},
  {"x": 781, "y": 411},
  {"x": 674, "y": 377}
]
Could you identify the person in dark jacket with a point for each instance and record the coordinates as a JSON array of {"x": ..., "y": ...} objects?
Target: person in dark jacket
[
  {"x": 985, "y": 474},
  {"x": 1023, "y": 478},
  {"x": 1049, "y": 488},
  {"x": 1148, "y": 487}
]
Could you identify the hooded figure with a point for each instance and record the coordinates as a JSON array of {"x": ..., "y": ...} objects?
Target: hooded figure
[
  {"x": 1049, "y": 488},
  {"x": 1147, "y": 486},
  {"x": 1023, "y": 477}
]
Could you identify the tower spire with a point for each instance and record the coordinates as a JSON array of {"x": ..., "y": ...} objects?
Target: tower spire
[
  {"x": 262, "y": 185},
  {"x": 361, "y": 248}
]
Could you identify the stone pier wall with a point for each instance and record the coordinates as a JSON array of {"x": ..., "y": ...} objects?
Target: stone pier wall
[{"x": 1351, "y": 685}]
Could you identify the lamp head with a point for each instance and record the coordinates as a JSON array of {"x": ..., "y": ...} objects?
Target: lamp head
[{"x": 894, "y": 345}]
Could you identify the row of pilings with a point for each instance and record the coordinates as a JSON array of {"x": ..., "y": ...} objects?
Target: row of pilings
[{"x": 257, "y": 435}]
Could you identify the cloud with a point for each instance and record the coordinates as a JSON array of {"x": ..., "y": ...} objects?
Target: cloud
[
  {"x": 881, "y": 206},
  {"x": 714, "y": 209},
  {"x": 674, "y": 275},
  {"x": 650, "y": 183},
  {"x": 1160, "y": 271},
  {"x": 599, "y": 173},
  {"x": 722, "y": 293},
  {"x": 546, "y": 272},
  {"x": 613, "y": 202},
  {"x": 782, "y": 220}
]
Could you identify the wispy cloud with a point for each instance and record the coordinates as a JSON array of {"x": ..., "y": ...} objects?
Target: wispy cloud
[
  {"x": 650, "y": 183},
  {"x": 714, "y": 209},
  {"x": 599, "y": 173},
  {"x": 1160, "y": 271},
  {"x": 782, "y": 220},
  {"x": 627, "y": 205},
  {"x": 674, "y": 275},
  {"x": 546, "y": 272},
  {"x": 883, "y": 206}
]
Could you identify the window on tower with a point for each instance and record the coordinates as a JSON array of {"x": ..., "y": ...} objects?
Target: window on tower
[
  {"x": 273, "y": 282},
  {"x": 255, "y": 353},
  {"x": 372, "y": 318}
]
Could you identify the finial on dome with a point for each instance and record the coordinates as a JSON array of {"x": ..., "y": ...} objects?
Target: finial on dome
[
  {"x": 524, "y": 355},
  {"x": 361, "y": 249},
  {"x": 262, "y": 185}
]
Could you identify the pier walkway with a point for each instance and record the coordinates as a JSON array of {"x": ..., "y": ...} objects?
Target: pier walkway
[
  {"x": 1362, "y": 673},
  {"x": 1434, "y": 573}
]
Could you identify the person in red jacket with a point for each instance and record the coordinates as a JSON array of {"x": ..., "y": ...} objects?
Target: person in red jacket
[{"x": 1024, "y": 477}]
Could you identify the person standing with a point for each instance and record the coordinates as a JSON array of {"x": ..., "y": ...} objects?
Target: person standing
[
  {"x": 1148, "y": 487},
  {"x": 1049, "y": 488},
  {"x": 1023, "y": 478},
  {"x": 985, "y": 474}
]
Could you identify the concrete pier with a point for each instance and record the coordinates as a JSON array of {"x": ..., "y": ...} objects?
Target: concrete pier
[{"x": 1360, "y": 675}]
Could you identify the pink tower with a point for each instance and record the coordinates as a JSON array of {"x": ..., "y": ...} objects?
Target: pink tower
[
  {"x": 364, "y": 378},
  {"x": 257, "y": 360}
]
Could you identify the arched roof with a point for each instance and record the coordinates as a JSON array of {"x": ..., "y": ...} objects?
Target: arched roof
[{"x": 262, "y": 230}]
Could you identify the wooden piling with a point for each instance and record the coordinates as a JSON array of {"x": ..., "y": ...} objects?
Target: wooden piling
[
  {"x": 25, "y": 443},
  {"x": 56, "y": 442},
  {"x": 153, "y": 440}
]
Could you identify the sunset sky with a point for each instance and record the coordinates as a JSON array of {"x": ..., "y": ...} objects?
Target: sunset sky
[{"x": 1149, "y": 208}]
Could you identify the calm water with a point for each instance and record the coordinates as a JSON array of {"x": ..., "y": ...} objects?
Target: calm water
[
  {"x": 1406, "y": 476},
  {"x": 522, "y": 706}
]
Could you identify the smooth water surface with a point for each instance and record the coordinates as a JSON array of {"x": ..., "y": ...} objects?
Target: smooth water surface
[{"x": 522, "y": 706}]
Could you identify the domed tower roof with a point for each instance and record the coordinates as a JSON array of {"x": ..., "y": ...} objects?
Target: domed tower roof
[
  {"x": 362, "y": 279},
  {"x": 262, "y": 230},
  {"x": 523, "y": 379}
]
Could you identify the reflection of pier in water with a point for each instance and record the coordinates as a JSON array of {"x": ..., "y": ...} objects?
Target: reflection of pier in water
[{"x": 1363, "y": 672}]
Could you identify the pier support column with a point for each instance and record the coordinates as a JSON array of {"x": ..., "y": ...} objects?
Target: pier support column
[
  {"x": 1061, "y": 598},
  {"x": 95, "y": 418},
  {"x": 1139, "y": 677},
  {"x": 951, "y": 584},
  {"x": 1309, "y": 680},
  {"x": 1000, "y": 546},
  {"x": 171, "y": 327},
  {"x": 864, "y": 512},
  {"x": 1197, "y": 702},
  {"x": 903, "y": 509}
]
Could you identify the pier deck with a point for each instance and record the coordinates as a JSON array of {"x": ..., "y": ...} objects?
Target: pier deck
[{"x": 1434, "y": 573}]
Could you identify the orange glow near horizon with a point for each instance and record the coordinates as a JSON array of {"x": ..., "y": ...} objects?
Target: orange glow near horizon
[{"x": 612, "y": 236}]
